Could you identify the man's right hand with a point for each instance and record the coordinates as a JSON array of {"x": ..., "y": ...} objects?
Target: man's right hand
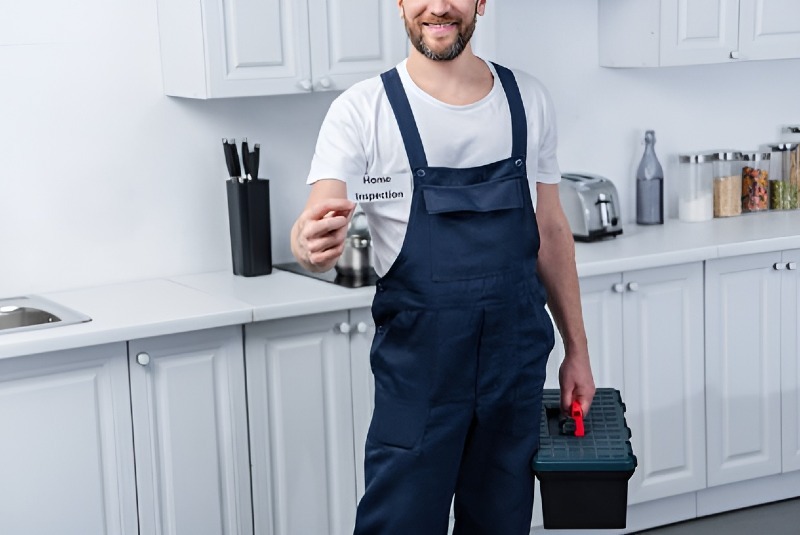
[{"x": 318, "y": 234}]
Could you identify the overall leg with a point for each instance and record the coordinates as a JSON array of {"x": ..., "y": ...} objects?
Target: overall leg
[
  {"x": 424, "y": 402},
  {"x": 495, "y": 489}
]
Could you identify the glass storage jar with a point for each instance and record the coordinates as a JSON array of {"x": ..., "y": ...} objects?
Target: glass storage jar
[
  {"x": 727, "y": 183},
  {"x": 696, "y": 198},
  {"x": 784, "y": 176},
  {"x": 755, "y": 181}
]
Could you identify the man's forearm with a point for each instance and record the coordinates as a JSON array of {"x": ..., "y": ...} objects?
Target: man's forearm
[{"x": 559, "y": 275}]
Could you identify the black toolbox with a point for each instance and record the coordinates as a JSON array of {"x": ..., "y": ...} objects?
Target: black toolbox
[{"x": 584, "y": 479}]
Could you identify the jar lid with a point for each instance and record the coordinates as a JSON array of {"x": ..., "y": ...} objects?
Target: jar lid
[
  {"x": 727, "y": 155},
  {"x": 782, "y": 147},
  {"x": 756, "y": 156},
  {"x": 696, "y": 158}
]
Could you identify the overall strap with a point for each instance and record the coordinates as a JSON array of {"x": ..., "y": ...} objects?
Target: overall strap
[
  {"x": 405, "y": 119},
  {"x": 519, "y": 123}
]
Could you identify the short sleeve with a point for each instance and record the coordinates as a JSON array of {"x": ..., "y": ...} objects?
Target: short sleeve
[
  {"x": 547, "y": 166},
  {"x": 339, "y": 152}
]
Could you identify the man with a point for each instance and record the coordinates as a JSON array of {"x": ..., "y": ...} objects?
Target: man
[{"x": 448, "y": 155}]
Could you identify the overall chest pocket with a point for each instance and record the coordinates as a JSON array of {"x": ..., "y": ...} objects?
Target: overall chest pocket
[{"x": 475, "y": 230}]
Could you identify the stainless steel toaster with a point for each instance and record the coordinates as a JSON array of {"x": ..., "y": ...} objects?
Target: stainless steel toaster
[{"x": 591, "y": 205}]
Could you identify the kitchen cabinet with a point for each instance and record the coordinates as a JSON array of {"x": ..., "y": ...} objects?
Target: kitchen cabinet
[
  {"x": 66, "y": 448},
  {"x": 190, "y": 430},
  {"x": 751, "y": 366},
  {"x": 645, "y": 332},
  {"x": 238, "y": 48},
  {"x": 790, "y": 361},
  {"x": 363, "y": 386},
  {"x": 661, "y": 33},
  {"x": 303, "y": 415}
]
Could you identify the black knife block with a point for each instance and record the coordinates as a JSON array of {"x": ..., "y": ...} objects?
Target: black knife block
[{"x": 248, "y": 216}]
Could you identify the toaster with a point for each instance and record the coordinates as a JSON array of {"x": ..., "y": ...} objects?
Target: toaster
[{"x": 591, "y": 205}]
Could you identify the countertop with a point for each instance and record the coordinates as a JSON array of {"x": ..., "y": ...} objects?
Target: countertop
[{"x": 157, "y": 307}]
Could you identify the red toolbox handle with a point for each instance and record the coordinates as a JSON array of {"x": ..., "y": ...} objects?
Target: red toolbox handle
[{"x": 576, "y": 413}]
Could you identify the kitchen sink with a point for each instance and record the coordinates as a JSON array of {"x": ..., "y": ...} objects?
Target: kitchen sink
[{"x": 31, "y": 312}]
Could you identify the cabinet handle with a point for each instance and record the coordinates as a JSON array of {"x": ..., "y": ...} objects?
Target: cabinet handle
[
  {"x": 325, "y": 83},
  {"x": 618, "y": 288},
  {"x": 343, "y": 328},
  {"x": 791, "y": 266},
  {"x": 306, "y": 85},
  {"x": 734, "y": 54},
  {"x": 362, "y": 327},
  {"x": 143, "y": 359},
  {"x": 777, "y": 266},
  {"x": 633, "y": 286}
]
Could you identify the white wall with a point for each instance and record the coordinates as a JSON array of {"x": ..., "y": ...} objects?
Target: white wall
[
  {"x": 104, "y": 179},
  {"x": 603, "y": 113}
]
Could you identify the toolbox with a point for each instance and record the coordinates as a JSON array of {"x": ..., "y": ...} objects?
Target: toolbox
[{"x": 583, "y": 464}]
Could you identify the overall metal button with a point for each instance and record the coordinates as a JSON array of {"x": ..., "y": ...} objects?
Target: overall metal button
[{"x": 420, "y": 172}]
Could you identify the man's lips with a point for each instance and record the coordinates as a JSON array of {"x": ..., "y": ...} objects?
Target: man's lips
[{"x": 440, "y": 27}]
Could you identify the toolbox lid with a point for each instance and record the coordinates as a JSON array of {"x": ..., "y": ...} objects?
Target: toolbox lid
[{"x": 605, "y": 447}]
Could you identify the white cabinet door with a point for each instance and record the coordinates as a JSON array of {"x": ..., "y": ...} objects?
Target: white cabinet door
[
  {"x": 363, "y": 386},
  {"x": 301, "y": 425},
  {"x": 770, "y": 29},
  {"x": 698, "y": 31},
  {"x": 66, "y": 448},
  {"x": 743, "y": 375},
  {"x": 190, "y": 429},
  {"x": 239, "y": 48},
  {"x": 664, "y": 387},
  {"x": 601, "y": 300},
  {"x": 256, "y": 47},
  {"x": 233, "y": 48},
  {"x": 790, "y": 355},
  {"x": 352, "y": 40},
  {"x": 657, "y": 33}
]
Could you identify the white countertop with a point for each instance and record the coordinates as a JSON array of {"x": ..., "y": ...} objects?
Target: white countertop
[
  {"x": 202, "y": 301},
  {"x": 127, "y": 312},
  {"x": 676, "y": 242}
]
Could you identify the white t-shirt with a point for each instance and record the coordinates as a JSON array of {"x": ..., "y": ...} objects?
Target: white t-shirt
[{"x": 360, "y": 143}]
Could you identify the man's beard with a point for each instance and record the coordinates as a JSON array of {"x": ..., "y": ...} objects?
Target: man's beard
[{"x": 451, "y": 52}]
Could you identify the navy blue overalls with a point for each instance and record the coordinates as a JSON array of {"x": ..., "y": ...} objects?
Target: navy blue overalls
[{"x": 460, "y": 348}]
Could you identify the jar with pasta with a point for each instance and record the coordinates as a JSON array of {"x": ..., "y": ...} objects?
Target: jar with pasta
[
  {"x": 755, "y": 181},
  {"x": 727, "y": 183},
  {"x": 784, "y": 176}
]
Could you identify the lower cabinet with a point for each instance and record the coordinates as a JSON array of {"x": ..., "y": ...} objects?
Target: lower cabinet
[
  {"x": 363, "y": 386},
  {"x": 190, "y": 433},
  {"x": 790, "y": 360},
  {"x": 645, "y": 331},
  {"x": 261, "y": 430},
  {"x": 751, "y": 366},
  {"x": 66, "y": 448},
  {"x": 303, "y": 421}
]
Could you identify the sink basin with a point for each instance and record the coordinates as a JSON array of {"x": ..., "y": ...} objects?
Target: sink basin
[{"x": 33, "y": 312}]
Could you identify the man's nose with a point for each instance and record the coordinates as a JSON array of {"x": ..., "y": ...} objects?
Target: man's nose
[{"x": 439, "y": 8}]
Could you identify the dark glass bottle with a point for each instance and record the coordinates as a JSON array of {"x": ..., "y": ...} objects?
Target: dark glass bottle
[{"x": 649, "y": 185}]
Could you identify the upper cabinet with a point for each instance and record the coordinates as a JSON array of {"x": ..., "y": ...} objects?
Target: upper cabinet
[
  {"x": 241, "y": 48},
  {"x": 662, "y": 33}
]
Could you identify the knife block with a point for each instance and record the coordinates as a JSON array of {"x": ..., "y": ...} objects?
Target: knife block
[{"x": 249, "y": 220}]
